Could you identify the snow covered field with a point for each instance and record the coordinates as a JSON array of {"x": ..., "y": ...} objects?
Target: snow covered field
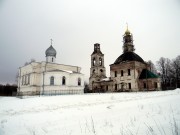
[{"x": 143, "y": 113}]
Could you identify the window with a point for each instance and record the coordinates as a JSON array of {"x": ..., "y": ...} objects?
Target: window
[
  {"x": 115, "y": 74},
  {"x": 94, "y": 61},
  {"x": 52, "y": 59},
  {"x": 25, "y": 79},
  {"x": 144, "y": 85},
  {"x": 100, "y": 61},
  {"x": 52, "y": 80},
  {"x": 101, "y": 70},
  {"x": 22, "y": 80},
  {"x": 115, "y": 86},
  {"x": 155, "y": 85},
  {"x": 63, "y": 80},
  {"x": 129, "y": 84},
  {"x": 106, "y": 87},
  {"x": 93, "y": 71},
  {"x": 129, "y": 72},
  {"x": 121, "y": 72},
  {"x": 29, "y": 79},
  {"x": 79, "y": 81}
]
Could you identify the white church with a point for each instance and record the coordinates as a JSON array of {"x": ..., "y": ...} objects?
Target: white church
[{"x": 48, "y": 77}]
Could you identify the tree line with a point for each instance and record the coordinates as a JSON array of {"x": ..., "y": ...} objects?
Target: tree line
[
  {"x": 7, "y": 90},
  {"x": 169, "y": 72}
]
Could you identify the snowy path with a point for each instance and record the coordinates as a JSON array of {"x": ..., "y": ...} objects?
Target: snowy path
[{"x": 92, "y": 114}]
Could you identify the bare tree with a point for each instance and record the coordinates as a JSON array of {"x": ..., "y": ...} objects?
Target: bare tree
[
  {"x": 164, "y": 67},
  {"x": 176, "y": 69},
  {"x": 152, "y": 67},
  {"x": 33, "y": 60},
  {"x": 26, "y": 63}
]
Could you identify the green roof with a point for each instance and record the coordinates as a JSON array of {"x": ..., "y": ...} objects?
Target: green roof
[{"x": 146, "y": 74}]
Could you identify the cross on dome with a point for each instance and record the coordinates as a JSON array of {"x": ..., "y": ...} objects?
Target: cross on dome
[{"x": 51, "y": 41}]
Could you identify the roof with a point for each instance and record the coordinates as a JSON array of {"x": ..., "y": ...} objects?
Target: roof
[
  {"x": 67, "y": 71},
  {"x": 146, "y": 74},
  {"x": 128, "y": 56},
  {"x": 51, "y": 51}
]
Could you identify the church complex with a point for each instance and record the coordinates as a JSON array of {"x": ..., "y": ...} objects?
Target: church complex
[{"x": 129, "y": 72}]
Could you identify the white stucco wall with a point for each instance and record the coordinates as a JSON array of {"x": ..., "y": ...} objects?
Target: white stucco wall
[{"x": 40, "y": 74}]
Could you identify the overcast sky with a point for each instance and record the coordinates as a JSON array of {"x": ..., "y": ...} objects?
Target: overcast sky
[{"x": 26, "y": 27}]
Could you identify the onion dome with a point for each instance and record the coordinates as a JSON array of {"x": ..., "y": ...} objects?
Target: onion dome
[
  {"x": 127, "y": 32},
  {"x": 50, "y": 51},
  {"x": 128, "y": 56}
]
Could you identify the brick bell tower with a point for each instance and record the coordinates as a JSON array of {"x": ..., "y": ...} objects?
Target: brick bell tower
[{"x": 97, "y": 70}]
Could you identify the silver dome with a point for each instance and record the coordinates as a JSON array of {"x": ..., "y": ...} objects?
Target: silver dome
[{"x": 51, "y": 51}]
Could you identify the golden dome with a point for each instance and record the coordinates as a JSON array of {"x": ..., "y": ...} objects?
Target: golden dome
[{"x": 127, "y": 32}]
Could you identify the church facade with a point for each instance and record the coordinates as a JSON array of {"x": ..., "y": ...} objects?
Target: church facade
[
  {"x": 129, "y": 72},
  {"x": 49, "y": 77}
]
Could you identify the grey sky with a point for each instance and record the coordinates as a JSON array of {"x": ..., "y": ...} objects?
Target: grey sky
[{"x": 26, "y": 27}]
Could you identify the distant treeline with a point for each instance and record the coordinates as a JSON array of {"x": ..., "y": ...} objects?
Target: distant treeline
[
  {"x": 169, "y": 71},
  {"x": 7, "y": 90}
]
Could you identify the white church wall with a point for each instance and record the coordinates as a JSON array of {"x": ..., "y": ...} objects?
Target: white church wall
[
  {"x": 35, "y": 77},
  {"x": 74, "y": 79},
  {"x": 51, "y": 59},
  {"x": 57, "y": 78}
]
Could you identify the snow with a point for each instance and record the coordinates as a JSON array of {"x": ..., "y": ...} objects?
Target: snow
[
  {"x": 106, "y": 79},
  {"x": 68, "y": 71},
  {"x": 138, "y": 113}
]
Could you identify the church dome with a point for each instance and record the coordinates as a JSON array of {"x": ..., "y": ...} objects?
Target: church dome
[
  {"x": 51, "y": 51},
  {"x": 127, "y": 32},
  {"x": 128, "y": 56}
]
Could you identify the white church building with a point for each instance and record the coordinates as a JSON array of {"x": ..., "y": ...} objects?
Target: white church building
[{"x": 48, "y": 77}]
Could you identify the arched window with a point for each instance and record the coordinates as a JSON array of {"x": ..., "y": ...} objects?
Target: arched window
[
  {"x": 115, "y": 74},
  {"x": 121, "y": 72},
  {"x": 25, "y": 79},
  {"x": 79, "y": 81},
  {"x": 101, "y": 70},
  {"x": 115, "y": 86},
  {"x": 100, "y": 61},
  {"x": 94, "y": 61},
  {"x": 129, "y": 72},
  {"x": 22, "y": 80},
  {"x": 63, "y": 80},
  {"x": 52, "y": 80},
  {"x": 144, "y": 85},
  {"x": 29, "y": 79}
]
